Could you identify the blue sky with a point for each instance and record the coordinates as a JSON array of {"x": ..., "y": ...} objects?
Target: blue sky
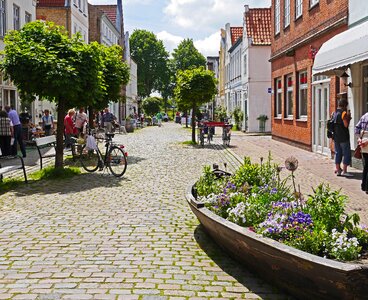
[{"x": 173, "y": 20}]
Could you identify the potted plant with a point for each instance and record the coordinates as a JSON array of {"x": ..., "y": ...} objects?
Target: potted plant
[
  {"x": 262, "y": 122},
  {"x": 129, "y": 125}
]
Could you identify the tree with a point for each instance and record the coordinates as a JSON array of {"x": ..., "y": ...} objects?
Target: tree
[
  {"x": 151, "y": 105},
  {"x": 193, "y": 88},
  {"x": 151, "y": 57},
  {"x": 43, "y": 61},
  {"x": 186, "y": 56}
]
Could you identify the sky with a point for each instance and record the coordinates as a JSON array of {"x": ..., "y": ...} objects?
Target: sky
[{"x": 174, "y": 20}]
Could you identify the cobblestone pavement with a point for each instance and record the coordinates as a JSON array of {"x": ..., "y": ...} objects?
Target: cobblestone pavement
[
  {"x": 313, "y": 168},
  {"x": 98, "y": 237}
]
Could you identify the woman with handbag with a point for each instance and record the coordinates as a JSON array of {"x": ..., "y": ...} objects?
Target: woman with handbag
[{"x": 362, "y": 133}]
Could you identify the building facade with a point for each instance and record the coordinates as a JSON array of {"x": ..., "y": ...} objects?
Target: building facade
[
  {"x": 131, "y": 102},
  {"x": 346, "y": 55},
  {"x": 213, "y": 65},
  {"x": 13, "y": 15},
  {"x": 301, "y": 102},
  {"x": 256, "y": 69}
]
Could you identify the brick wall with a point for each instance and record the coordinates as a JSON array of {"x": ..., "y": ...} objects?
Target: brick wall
[
  {"x": 291, "y": 53},
  {"x": 58, "y": 15},
  {"x": 94, "y": 15}
]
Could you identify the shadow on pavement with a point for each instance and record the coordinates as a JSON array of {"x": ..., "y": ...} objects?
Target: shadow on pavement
[
  {"x": 235, "y": 269},
  {"x": 86, "y": 181},
  {"x": 134, "y": 160}
]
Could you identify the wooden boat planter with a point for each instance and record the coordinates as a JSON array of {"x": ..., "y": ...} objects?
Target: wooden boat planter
[{"x": 303, "y": 275}]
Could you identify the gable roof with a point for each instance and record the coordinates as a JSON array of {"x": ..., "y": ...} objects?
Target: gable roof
[
  {"x": 236, "y": 33},
  {"x": 50, "y": 3},
  {"x": 258, "y": 25},
  {"x": 109, "y": 10}
]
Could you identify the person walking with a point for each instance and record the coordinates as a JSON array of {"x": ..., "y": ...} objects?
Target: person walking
[
  {"x": 107, "y": 119},
  {"x": 159, "y": 119},
  {"x": 80, "y": 120},
  {"x": 341, "y": 138},
  {"x": 361, "y": 130},
  {"x": 69, "y": 128},
  {"x": 47, "y": 123},
  {"x": 18, "y": 138},
  {"x": 6, "y": 133}
]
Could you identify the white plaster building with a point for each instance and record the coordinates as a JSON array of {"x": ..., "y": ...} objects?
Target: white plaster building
[
  {"x": 213, "y": 65},
  {"x": 131, "y": 88},
  {"x": 13, "y": 15},
  {"x": 255, "y": 68}
]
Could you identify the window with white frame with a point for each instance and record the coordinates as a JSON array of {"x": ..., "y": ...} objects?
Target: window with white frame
[
  {"x": 278, "y": 97},
  {"x": 286, "y": 13},
  {"x": 298, "y": 8},
  {"x": 313, "y": 3},
  {"x": 277, "y": 16},
  {"x": 289, "y": 96},
  {"x": 2, "y": 18},
  {"x": 303, "y": 94},
  {"x": 245, "y": 65},
  {"x": 16, "y": 19},
  {"x": 27, "y": 17}
]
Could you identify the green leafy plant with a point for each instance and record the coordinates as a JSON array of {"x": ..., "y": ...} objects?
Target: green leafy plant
[{"x": 238, "y": 117}]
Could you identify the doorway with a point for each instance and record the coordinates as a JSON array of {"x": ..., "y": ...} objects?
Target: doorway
[{"x": 321, "y": 104}]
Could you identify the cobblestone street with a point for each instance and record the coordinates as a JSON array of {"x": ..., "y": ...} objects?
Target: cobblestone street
[{"x": 98, "y": 237}]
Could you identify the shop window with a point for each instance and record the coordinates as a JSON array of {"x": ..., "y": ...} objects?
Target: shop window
[
  {"x": 302, "y": 94},
  {"x": 289, "y": 96},
  {"x": 278, "y": 98}
]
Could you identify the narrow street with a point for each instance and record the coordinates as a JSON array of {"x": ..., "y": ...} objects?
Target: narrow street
[{"x": 98, "y": 237}]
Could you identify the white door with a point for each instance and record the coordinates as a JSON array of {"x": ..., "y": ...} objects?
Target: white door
[{"x": 320, "y": 117}]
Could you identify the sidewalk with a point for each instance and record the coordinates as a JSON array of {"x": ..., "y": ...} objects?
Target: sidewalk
[{"x": 313, "y": 168}]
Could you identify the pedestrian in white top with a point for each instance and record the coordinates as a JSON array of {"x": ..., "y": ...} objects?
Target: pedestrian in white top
[{"x": 80, "y": 120}]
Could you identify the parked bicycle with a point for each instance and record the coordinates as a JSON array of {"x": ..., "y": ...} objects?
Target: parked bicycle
[{"x": 115, "y": 157}]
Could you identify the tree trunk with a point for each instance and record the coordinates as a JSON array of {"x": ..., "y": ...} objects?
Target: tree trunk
[
  {"x": 186, "y": 119},
  {"x": 193, "y": 123},
  {"x": 59, "y": 157},
  {"x": 91, "y": 124}
]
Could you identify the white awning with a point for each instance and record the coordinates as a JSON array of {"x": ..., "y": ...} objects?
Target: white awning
[{"x": 346, "y": 48}]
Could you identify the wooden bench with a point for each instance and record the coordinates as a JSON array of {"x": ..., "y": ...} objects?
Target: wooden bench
[
  {"x": 48, "y": 143},
  {"x": 7, "y": 164}
]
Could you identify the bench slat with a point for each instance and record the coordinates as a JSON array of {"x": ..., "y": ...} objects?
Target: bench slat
[
  {"x": 45, "y": 140},
  {"x": 7, "y": 169}
]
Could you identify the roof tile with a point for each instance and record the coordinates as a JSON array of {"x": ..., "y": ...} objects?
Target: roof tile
[
  {"x": 258, "y": 25},
  {"x": 109, "y": 10},
  {"x": 236, "y": 33}
]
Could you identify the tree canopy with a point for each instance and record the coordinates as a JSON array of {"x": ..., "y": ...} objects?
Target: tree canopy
[
  {"x": 151, "y": 57},
  {"x": 43, "y": 61},
  {"x": 151, "y": 105},
  {"x": 186, "y": 56},
  {"x": 195, "y": 87}
]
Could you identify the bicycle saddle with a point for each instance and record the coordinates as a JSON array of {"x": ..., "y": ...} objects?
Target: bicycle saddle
[{"x": 110, "y": 135}]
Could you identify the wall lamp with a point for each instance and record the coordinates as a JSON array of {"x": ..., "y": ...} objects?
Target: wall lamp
[{"x": 344, "y": 77}]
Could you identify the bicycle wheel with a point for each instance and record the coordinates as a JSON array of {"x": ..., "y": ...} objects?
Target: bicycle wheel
[
  {"x": 89, "y": 159},
  {"x": 117, "y": 161}
]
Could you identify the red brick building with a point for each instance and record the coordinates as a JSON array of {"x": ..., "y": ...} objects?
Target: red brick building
[{"x": 302, "y": 103}]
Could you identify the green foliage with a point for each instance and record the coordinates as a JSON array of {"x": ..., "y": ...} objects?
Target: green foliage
[
  {"x": 326, "y": 207},
  {"x": 186, "y": 56},
  {"x": 208, "y": 183},
  {"x": 220, "y": 113},
  {"x": 55, "y": 173},
  {"x": 151, "y": 105},
  {"x": 256, "y": 197},
  {"x": 152, "y": 61},
  {"x": 238, "y": 117},
  {"x": 193, "y": 88}
]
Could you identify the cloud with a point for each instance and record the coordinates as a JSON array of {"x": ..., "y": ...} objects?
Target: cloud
[
  {"x": 206, "y": 15},
  {"x": 209, "y": 46},
  {"x": 170, "y": 41}
]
